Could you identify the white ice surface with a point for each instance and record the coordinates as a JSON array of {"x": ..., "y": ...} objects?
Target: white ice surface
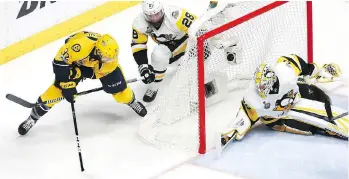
[{"x": 264, "y": 153}]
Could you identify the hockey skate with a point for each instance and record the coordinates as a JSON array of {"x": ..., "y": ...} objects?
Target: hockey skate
[
  {"x": 138, "y": 107},
  {"x": 149, "y": 95},
  {"x": 26, "y": 125}
]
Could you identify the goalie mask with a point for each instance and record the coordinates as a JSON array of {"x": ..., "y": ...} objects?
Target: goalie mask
[{"x": 264, "y": 78}]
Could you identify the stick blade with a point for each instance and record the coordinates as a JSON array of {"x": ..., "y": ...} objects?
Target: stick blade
[{"x": 19, "y": 101}]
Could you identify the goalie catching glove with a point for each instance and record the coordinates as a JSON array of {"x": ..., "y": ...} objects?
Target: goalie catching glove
[
  {"x": 329, "y": 77},
  {"x": 147, "y": 72},
  {"x": 328, "y": 73}
]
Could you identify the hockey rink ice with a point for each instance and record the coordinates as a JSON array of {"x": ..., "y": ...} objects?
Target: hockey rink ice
[{"x": 110, "y": 144}]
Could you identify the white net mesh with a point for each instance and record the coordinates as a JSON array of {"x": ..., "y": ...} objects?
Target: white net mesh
[{"x": 280, "y": 31}]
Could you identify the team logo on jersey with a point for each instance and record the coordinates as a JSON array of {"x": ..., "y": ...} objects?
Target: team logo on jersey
[
  {"x": 175, "y": 14},
  {"x": 286, "y": 102},
  {"x": 76, "y": 47},
  {"x": 163, "y": 37}
]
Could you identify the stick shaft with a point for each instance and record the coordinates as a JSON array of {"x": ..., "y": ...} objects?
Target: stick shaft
[
  {"x": 77, "y": 137},
  {"x": 27, "y": 104}
]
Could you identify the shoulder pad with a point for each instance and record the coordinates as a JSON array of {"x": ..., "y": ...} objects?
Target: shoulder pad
[
  {"x": 173, "y": 13},
  {"x": 140, "y": 23}
]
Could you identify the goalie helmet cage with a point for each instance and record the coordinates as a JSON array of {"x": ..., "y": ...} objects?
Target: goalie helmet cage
[{"x": 265, "y": 31}]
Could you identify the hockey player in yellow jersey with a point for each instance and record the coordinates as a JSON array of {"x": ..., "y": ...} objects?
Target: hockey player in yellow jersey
[
  {"x": 168, "y": 27},
  {"x": 85, "y": 55},
  {"x": 279, "y": 100}
]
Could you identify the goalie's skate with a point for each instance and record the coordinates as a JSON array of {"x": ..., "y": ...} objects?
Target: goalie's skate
[
  {"x": 26, "y": 125},
  {"x": 149, "y": 95}
]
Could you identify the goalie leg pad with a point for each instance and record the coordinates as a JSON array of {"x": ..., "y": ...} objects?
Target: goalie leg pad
[{"x": 313, "y": 113}]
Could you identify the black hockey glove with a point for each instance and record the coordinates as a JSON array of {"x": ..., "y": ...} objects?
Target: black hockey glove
[
  {"x": 147, "y": 72},
  {"x": 68, "y": 90}
]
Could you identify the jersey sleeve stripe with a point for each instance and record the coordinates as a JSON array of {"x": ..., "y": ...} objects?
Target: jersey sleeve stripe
[
  {"x": 139, "y": 46},
  {"x": 294, "y": 63},
  {"x": 306, "y": 69},
  {"x": 132, "y": 44},
  {"x": 59, "y": 63},
  {"x": 297, "y": 69}
]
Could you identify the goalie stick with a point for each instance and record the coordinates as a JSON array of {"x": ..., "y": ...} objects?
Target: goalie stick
[
  {"x": 231, "y": 139},
  {"x": 28, "y": 104}
]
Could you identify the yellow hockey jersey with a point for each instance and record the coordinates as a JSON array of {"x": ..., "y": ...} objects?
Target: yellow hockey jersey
[{"x": 79, "y": 50}]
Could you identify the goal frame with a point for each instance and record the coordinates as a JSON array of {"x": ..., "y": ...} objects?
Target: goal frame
[{"x": 200, "y": 54}]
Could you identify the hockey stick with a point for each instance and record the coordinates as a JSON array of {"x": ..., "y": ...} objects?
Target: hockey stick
[
  {"x": 27, "y": 104},
  {"x": 231, "y": 139},
  {"x": 76, "y": 125},
  {"x": 340, "y": 116},
  {"x": 77, "y": 136}
]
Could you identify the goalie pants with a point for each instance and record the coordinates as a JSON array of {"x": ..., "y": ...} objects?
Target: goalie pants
[
  {"x": 113, "y": 83},
  {"x": 312, "y": 96}
]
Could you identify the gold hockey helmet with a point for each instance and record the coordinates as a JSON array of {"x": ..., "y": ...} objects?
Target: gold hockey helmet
[{"x": 107, "y": 48}]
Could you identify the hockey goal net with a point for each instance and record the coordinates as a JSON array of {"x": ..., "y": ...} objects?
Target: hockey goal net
[{"x": 265, "y": 31}]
